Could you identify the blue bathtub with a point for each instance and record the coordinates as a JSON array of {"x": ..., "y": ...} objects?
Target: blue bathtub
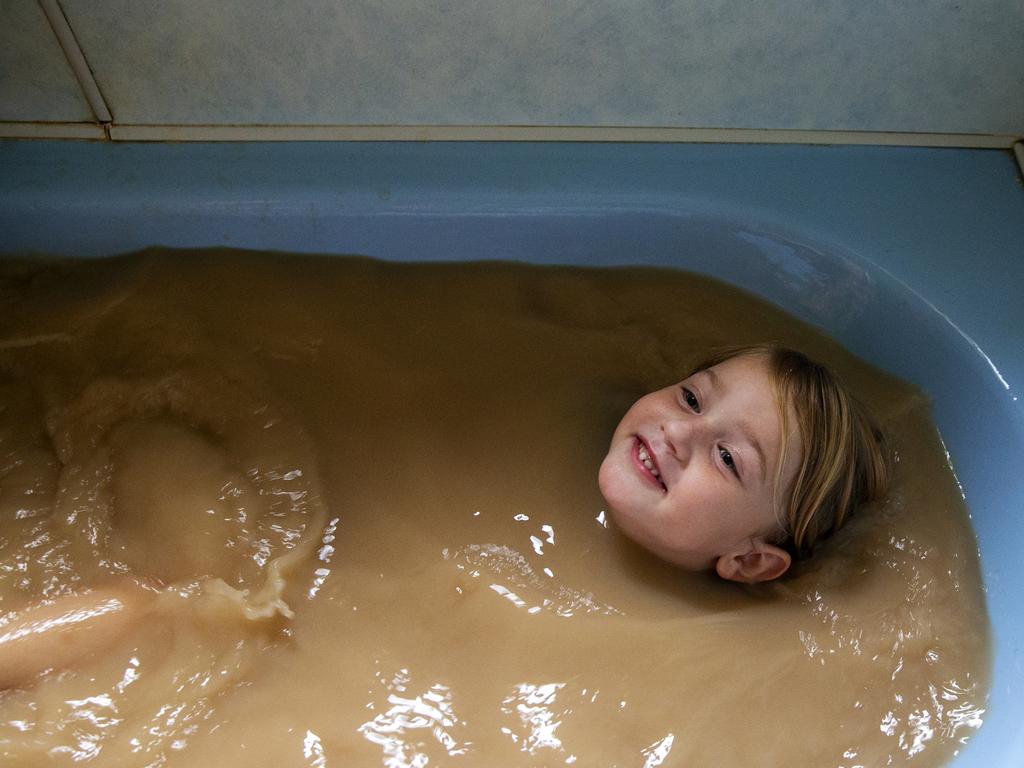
[{"x": 913, "y": 258}]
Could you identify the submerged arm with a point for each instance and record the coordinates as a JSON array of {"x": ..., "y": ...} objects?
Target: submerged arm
[{"x": 55, "y": 635}]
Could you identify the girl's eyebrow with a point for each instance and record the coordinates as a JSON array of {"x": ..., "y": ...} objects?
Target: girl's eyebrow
[
  {"x": 713, "y": 379},
  {"x": 751, "y": 438},
  {"x": 715, "y": 382}
]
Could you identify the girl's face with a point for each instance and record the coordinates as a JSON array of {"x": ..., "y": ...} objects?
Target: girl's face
[{"x": 690, "y": 473}]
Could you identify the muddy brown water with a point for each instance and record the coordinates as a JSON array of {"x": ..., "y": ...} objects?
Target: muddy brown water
[{"x": 298, "y": 511}]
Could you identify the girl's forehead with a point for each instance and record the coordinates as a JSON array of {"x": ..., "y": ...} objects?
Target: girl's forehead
[{"x": 748, "y": 373}]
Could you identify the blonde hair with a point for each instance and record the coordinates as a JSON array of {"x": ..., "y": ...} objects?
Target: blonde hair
[{"x": 844, "y": 462}]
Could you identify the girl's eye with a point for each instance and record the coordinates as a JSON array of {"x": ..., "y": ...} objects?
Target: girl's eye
[
  {"x": 691, "y": 400},
  {"x": 728, "y": 460}
]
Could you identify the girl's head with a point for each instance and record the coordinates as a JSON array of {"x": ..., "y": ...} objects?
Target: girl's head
[{"x": 753, "y": 458}]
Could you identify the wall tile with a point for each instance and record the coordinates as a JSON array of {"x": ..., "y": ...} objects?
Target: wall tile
[
  {"x": 36, "y": 81},
  {"x": 918, "y": 65}
]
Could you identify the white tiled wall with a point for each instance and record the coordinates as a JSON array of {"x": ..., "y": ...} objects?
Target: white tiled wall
[
  {"x": 36, "y": 81},
  {"x": 823, "y": 65}
]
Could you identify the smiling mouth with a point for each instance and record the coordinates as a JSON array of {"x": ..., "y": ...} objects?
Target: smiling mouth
[{"x": 646, "y": 464}]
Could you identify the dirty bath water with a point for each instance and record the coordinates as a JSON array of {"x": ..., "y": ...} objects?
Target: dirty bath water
[{"x": 285, "y": 511}]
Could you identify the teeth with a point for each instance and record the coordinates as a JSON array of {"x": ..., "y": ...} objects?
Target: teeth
[{"x": 645, "y": 458}]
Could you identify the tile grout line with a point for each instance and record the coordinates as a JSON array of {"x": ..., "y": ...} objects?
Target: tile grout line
[
  {"x": 73, "y": 52},
  {"x": 45, "y": 130},
  {"x": 510, "y": 133},
  {"x": 625, "y": 134}
]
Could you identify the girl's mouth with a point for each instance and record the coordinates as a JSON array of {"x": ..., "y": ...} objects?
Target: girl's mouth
[{"x": 645, "y": 463}]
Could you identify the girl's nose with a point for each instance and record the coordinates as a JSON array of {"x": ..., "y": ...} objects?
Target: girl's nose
[{"x": 682, "y": 435}]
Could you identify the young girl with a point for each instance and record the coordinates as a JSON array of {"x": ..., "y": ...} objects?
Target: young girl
[{"x": 751, "y": 460}]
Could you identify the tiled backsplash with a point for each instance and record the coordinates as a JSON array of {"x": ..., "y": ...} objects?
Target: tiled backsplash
[
  {"x": 925, "y": 66},
  {"x": 36, "y": 81}
]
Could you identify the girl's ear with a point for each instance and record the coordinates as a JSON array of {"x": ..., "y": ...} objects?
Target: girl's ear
[{"x": 758, "y": 562}]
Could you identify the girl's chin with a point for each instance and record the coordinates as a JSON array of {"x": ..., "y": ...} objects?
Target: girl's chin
[
  {"x": 607, "y": 481},
  {"x": 619, "y": 480}
]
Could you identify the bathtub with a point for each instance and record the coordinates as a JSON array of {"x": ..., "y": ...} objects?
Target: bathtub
[{"x": 912, "y": 258}]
